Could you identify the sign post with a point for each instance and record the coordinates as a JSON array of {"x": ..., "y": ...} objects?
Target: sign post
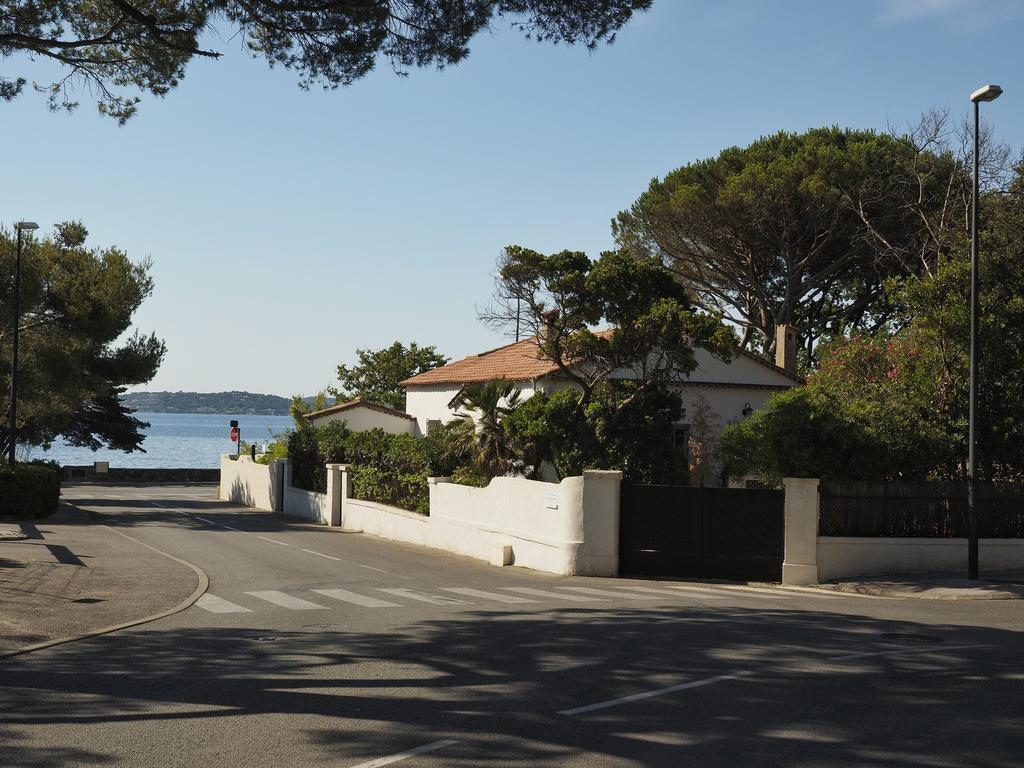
[{"x": 236, "y": 437}]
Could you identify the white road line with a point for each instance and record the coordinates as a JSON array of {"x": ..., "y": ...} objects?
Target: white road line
[
  {"x": 651, "y": 694},
  {"x": 649, "y": 590},
  {"x": 286, "y": 601},
  {"x": 727, "y": 592},
  {"x": 215, "y": 604},
  {"x": 378, "y": 570},
  {"x": 779, "y": 592},
  {"x": 214, "y": 522},
  {"x": 557, "y": 595},
  {"x": 608, "y": 593},
  {"x": 901, "y": 651},
  {"x": 382, "y": 761},
  {"x": 487, "y": 595},
  {"x": 321, "y": 554},
  {"x": 273, "y": 541},
  {"x": 434, "y": 599},
  {"x": 351, "y": 597}
]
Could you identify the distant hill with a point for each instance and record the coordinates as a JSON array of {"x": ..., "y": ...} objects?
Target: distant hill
[{"x": 238, "y": 403}]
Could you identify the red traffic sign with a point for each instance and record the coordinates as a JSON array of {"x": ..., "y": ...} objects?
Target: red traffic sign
[{"x": 234, "y": 434}]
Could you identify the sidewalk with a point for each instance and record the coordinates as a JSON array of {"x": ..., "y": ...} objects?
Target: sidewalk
[
  {"x": 68, "y": 577},
  {"x": 1007, "y": 585}
]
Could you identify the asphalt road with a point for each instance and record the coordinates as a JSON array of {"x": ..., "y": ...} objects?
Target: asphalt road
[{"x": 318, "y": 648}]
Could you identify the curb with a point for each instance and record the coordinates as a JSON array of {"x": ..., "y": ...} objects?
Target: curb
[
  {"x": 201, "y": 587},
  {"x": 951, "y": 596}
]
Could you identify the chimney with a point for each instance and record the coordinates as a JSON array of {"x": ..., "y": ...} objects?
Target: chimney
[{"x": 785, "y": 347}]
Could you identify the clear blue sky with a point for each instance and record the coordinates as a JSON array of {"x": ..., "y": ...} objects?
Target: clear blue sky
[{"x": 288, "y": 228}]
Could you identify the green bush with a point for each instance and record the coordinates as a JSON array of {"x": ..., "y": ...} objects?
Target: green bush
[
  {"x": 30, "y": 490},
  {"x": 386, "y": 468}
]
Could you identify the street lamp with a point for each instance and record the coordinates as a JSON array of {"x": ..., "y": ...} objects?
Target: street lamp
[
  {"x": 12, "y": 432},
  {"x": 985, "y": 93}
]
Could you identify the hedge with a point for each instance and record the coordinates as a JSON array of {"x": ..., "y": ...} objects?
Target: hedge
[
  {"x": 386, "y": 468},
  {"x": 29, "y": 490}
]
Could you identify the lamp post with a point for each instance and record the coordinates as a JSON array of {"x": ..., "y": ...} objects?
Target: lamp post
[
  {"x": 985, "y": 93},
  {"x": 12, "y": 432}
]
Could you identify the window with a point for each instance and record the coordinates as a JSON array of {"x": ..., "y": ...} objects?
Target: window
[
  {"x": 433, "y": 424},
  {"x": 681, "y": 436}
]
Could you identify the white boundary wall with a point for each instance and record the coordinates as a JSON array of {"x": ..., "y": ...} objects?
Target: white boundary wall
[
  {"x": 307, "y": 505},
  {"x": 810, "y": 558},
  {"x": 570, "y": 527},
  {"x": 245, "y": 482},
  {"x": 841, "y": 556}
]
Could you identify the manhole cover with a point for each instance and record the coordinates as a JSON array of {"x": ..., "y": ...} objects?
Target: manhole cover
[{"x": 905, "y": 637}]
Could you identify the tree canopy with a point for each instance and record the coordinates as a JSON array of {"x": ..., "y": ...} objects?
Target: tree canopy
[
  {"x": 652, "y": 325},
  {"x": 75, "y": 358},
  {"x": 804, "y": 229},
  {"x": 145, "y": 45},
  {"x": 894, "y": 405},
  {"x": 378, "y": 372}
]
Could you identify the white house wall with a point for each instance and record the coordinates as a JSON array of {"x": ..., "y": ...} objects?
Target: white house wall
[
  {"x": 430, "y": 403},
  {"x": 364, "y": 419}
]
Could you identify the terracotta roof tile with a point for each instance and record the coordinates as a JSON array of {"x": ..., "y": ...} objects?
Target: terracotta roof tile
[
  {"x": 516, "y": 362},
  {"x": 519, "y": 362},
  {"x": 357, "y": 403}
]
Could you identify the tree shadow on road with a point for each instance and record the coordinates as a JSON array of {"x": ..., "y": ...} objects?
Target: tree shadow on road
[{"x": 497, "y": 680}]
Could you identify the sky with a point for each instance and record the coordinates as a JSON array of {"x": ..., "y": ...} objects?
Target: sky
[{"x": 288, "y": 228}]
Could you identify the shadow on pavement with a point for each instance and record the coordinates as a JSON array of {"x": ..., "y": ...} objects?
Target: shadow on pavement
[{"x": 496, "y": 682}]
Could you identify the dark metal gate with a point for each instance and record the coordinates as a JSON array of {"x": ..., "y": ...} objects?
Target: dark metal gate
[{"x": 714, "y": 533}]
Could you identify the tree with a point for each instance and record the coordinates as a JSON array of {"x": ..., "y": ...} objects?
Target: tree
[
  {"x": 377, "y": 374},
  {"x": 802, "y": 433},
  {"x": 804, "y": 229},
  {"x": 146, "y": 44},
  {"x": 74, "y": 357},
  {"x": 488, "y": 404},
  {"x": 653, "y": 325},
  {"x": 637, "y": 438}
]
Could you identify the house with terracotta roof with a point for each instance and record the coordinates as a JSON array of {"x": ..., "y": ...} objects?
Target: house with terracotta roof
[
  {"x": 732, "y": 390},
  {"x": 362, "y": 415}
]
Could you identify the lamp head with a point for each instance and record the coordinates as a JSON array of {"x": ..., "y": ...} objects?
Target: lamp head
[
  {"x": 986, "y": 93},
  {"x": 26, "y": 226}
]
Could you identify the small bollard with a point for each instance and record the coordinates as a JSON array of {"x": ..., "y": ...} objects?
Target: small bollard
[{"x": 252, "y": 451}]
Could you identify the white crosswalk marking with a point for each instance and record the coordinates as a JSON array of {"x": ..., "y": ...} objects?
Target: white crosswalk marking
[
  {"x": 487, "y": 595},
  {"x": 433, "y": 599},
  {"x": 215, "y": 604},
  {"x": 285, "y": 600},
  {"x": 556, "y": 595},
  {"x": 351, "y": 597},
  {"x": 705, "y": 591},
  {"x": 608, "y": 593},
  {"x": 664, "y": 592}
]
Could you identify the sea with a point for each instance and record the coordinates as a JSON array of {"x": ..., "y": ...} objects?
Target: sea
[{"x": 176, "y": 440}]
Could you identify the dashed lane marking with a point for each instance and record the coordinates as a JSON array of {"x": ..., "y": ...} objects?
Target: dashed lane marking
[
  {"x": 903, "y": 651},
  {"x": 356, "y": 599},
  {"x": 727, "y": 592},
  {"x": 215, "y": 604},
  {"x": 285, "y": 600},
  {"x": 649, "y": 590},
  {"x": 273, "y": 541},
  {"x": 321, "y": 554},
  {"x": 657, "y": 692},
  {"x": 608, "y": 593},
  {"x": 433, "y": 599},
  {"x": 556, "y": 595},
  {"x": 431, "y": 747},
  {"x": 487, "y": 595}
]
